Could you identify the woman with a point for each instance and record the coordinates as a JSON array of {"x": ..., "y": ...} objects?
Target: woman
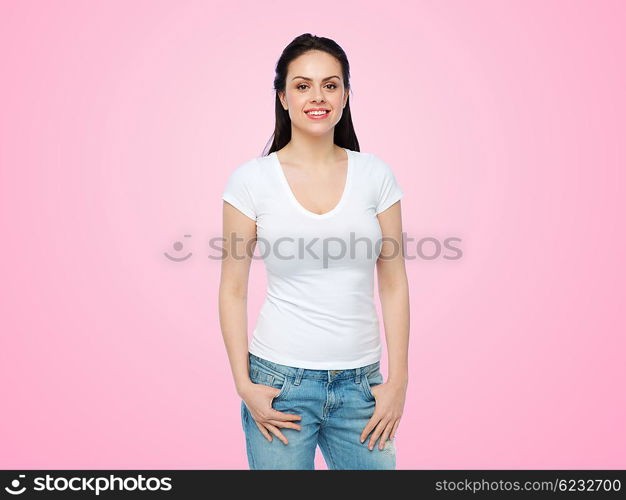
[{"x": 324, "y": 215}]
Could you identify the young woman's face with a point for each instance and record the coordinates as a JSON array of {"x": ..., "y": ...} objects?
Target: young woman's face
[{"x": 314, "y": 80}]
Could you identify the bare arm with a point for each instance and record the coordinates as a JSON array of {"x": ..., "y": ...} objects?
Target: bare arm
[
  {"x": 393, "y": 289},
  {"x": 239, "y": 243},
  {"x": 239, "y": 233}
]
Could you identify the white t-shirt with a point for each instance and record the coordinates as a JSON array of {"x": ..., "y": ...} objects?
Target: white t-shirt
[{"x": 319, "y": 310}]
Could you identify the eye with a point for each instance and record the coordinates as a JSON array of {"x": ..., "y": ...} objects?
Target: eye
[{"x": 304, "y": 85}]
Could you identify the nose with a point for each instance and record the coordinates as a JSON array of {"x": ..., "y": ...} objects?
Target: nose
[{"x": 319, "y": 98}]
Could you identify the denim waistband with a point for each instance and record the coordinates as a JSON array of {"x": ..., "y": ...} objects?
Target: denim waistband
[{"x": 292, "y": 371}]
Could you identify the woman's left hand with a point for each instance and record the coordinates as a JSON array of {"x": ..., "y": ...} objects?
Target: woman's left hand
[{"x": 390, "y": 399}]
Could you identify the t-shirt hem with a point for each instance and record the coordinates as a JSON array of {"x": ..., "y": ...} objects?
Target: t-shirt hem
[
  {"x": 317, "y": 365},
  {"x": 239, "y": 206},
  {"x": 384, "y": 207}
]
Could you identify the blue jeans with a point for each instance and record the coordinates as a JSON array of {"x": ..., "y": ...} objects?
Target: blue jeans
[{"x": 335, "y": 406}]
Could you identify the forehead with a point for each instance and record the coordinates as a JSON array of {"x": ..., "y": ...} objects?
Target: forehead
[{"x": 314, "y": 64}]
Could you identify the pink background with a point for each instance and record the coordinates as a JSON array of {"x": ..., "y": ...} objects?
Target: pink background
[{"x": 120, "y": 122}]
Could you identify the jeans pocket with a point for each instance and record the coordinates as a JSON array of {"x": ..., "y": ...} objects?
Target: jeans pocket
[
  {"x": 370, "y": 380},
  {"x": 264, "y": 376}
]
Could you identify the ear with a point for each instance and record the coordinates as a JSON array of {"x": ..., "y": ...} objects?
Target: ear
[{"x": 281, "y": 96}]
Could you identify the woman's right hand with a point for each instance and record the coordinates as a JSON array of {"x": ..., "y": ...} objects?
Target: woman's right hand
[{"x": 258, "y": 398}]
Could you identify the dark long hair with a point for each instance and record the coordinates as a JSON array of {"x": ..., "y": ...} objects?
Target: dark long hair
[{"x": 345, "y": 136}]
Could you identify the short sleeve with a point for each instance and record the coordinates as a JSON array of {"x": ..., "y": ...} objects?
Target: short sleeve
[
  {"x": 238, "y": 191},
  {"x": 388, "y": 191}
]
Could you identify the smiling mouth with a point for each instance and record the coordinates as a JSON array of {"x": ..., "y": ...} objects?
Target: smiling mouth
[{"x": 317, "y": 114}]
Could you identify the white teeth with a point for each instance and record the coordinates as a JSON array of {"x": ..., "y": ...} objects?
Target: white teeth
[{"x": 316, "y": 112}]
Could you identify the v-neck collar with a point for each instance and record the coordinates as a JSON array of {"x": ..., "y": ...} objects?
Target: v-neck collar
[{"x": 298, "y": 205}]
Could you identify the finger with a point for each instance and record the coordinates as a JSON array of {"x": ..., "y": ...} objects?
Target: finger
[
  {"x": 279, "y": 415},
  {"x": 377, "y": 432},
  {"x": 393, "y": 430},
  {"x": 264, "y": 431},
  {"x": 385, "y": 435},
  {"x": 286, "y": 425},
  {"x": 276, "y": 431},
  {"x": 369, "y": 426}
]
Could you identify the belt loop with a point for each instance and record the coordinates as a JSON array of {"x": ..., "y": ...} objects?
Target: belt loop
[
  {"x": 357, "y": 378},
  {"x": 298, "y": 378}
]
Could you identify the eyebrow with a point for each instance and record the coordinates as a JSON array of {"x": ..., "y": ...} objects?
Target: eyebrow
[{"x": 311, "y": 79}]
